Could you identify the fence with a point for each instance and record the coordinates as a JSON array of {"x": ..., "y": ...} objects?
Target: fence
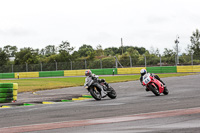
[
  {"x": 105, "y": 71},
  {"x": 73, "y": 65},
  {"x": 111, "y": 62}
]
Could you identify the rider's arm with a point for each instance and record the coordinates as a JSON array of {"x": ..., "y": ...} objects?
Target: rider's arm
[{"x": 141, "y": 79}]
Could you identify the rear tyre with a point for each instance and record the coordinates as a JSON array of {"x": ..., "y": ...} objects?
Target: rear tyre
[
  {"x": 95, "y": 93},
  {"x": 155, "y": 90},
  {"x": 165, "y": 92},
  {"x": 112, "y": 94}
]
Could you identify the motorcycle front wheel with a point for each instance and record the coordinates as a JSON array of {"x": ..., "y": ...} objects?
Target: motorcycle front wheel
[
  {"x": 165, "y": 92},
  {"x": 95, "y": 93},
  {"x": 112, "y": 94},
  {"x": 154, "y": 90}
]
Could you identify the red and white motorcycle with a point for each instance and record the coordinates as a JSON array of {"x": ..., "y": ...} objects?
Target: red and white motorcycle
[{"x": 154, "y": 85}]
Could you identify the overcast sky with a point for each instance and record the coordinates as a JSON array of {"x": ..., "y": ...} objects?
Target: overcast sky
[{"x": 142, "y": 23}]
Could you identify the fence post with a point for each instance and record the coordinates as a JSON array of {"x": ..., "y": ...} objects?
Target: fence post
[
  {"x": 26, "y": 66},
  {"x": 85, "y": 64},
  {"x": 130, "y": 61},
  {"x": 101, "y": 63},
  {"x": 41, "y": 65},
  {"x": 56, "y": 64},
  {"x": 145, "y": 60},
  {"x": 160, "y": 61},
  {"x": 116, "y": 62},
  {"x": 71, "y": 64},
  {"x": 192, "y": 58},
  {"x": 12, "y": 68},
  {"x": 175, "y": 60}
]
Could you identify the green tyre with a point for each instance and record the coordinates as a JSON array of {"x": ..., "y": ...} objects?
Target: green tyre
[
  {"x": 6, "y": 90},
  {"x": 6, "y": 95},
  {"x": 6, "y": 85},
  {"x": 6, "y": 100}
]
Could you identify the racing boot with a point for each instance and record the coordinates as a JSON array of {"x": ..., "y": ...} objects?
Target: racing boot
[
  {"x": 107, "y": 85},
  {"x": 103, "y": 93},
  {"x": 165, "y": 86}
]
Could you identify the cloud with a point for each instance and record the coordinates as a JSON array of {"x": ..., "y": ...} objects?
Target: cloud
[{"x": 16, "y": 32}]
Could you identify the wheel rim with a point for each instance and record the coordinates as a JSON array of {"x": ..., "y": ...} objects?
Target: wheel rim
[
  {"x": 157, "y": 90},
  {"x": 96, "y": 92}
]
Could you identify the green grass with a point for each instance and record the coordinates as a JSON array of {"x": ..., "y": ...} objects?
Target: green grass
[{"x": 36, "y": 84}]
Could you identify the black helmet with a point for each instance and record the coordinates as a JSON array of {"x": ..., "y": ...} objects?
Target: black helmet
[{"x": 88, "y": 73}]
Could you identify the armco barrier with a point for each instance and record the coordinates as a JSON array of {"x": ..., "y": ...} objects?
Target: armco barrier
[
  {"x": 188, "y": 68},
  {"x": 107, "y": 71},
  {"x": 8, "y": 92},
  {"x": 196, "y": 68},
  {"x": 51, "y": 73},
  {"x": 184, "y": 68},
  {"x": 162, "y": 69},
  {"x": 7, "y": 75},
  {"x": 74, "y": 73},
  {"x": 132, "y": 70},
  {"x": 27, "y": 75}
]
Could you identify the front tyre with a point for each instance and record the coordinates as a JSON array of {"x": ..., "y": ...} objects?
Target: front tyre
[
  {"x": 95, "y": 93},
  {"x": 155, "y": 90},
  {"x": 112, "y": 94},
  {"x": 165, "y": 92}
]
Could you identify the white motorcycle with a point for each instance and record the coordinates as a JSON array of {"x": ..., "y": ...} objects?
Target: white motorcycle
[{"x": 99, "y": 88}]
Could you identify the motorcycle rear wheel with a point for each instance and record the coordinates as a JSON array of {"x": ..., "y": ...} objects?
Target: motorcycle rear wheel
[
  {"x": 112, "y": 94},
  {"x": 95, "y": 93},
  {"x": 154, "y": 90}
]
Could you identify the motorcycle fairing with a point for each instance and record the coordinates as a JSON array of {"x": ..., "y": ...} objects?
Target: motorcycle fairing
[{"x": 159, "y": 85}]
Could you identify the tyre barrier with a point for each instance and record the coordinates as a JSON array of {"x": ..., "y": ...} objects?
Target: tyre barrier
[{"x": 8, "y": 92}]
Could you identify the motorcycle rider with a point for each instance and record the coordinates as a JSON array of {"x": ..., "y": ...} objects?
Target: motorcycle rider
[
  {"x": 144, "y": 71},
  {"x": 89, "y": 75}
]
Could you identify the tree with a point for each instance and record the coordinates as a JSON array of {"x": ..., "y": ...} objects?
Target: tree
[
  {"x": 109, "y": 52},
  {"x": 42, "y": 52},
  {"x": 141, "y": 50},
  {"x": 64, "y": 51},
  {"x": 168, "y": 52},
  {"x": 85, "y": 50},
  {"x": 154, "y": 52},
  {"x": 195, "y": 43},
  {"x": 169, "y": 56},
  {"x": 134, "y": 55},
  {"x": 49, "y": 50},
  {"x": 3, "y": 57},
  {"x": 65, "y": 47},
  {"x": 99, "y": 50},
  {"x": 10, "y": 50},
  {"x": 26, "y": 55}
]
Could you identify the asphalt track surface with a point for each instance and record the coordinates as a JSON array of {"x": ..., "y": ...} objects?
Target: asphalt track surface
[{"x": 134, "y": 110}]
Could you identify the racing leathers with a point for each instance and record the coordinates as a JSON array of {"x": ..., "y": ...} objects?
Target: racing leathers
[
  {"x": 155, "y": 76},
  {"x": 95, "y": 77}
]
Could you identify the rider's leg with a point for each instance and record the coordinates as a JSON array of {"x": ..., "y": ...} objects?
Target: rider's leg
[
  {"x": 103, "y": 93},
  {"x": 147, "y": 89},
  {"x": 158, "y": 78}
]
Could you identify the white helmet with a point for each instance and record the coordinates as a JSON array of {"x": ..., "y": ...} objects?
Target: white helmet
[{"x": 143, "y": 71}]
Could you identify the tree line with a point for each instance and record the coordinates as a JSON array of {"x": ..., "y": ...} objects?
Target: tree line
[{"x": 64, "y": 52}]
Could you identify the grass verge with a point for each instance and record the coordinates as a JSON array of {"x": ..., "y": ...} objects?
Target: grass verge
[{"x": 36, "y": 84}]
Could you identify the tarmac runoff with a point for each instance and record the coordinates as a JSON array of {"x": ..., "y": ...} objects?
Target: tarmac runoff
[
  {"x": 99, "y": 121},
  {"x": 84, "y": 97}
]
